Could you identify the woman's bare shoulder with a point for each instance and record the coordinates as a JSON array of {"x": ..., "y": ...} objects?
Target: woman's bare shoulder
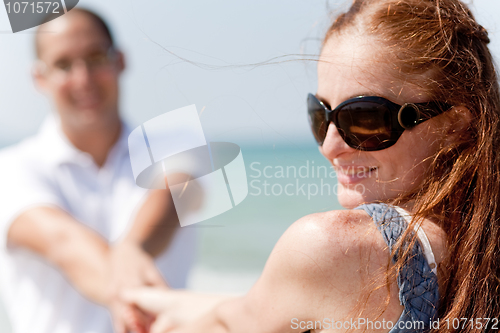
[
  {"x": 331, "y": 247},
  {"x": 333, "y": 233}
]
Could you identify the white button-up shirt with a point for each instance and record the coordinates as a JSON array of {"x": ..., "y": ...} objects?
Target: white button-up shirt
[{"x": 46, "y": 170}]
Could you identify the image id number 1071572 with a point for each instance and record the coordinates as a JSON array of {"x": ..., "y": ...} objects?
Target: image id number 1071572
[
  {"x": 462, "y": 323},
  {"x": 33, "y": 7}
]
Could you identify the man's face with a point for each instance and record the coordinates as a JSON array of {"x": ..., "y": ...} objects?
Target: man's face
[{"x": 79, "y": 72}]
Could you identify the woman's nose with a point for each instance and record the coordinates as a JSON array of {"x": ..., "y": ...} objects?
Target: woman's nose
[{"x": 334, "y": 145}]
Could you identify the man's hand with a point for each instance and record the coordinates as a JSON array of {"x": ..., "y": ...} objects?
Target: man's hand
[
  {"x": 131, "y": 259},
  {"x": 131, "y": 267}
]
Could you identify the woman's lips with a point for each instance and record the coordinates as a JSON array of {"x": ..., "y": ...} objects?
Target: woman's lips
[{"x": 354, "y": 174}]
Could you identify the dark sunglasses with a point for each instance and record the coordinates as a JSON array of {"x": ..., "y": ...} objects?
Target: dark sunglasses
[{"x": 369, "y": 123}]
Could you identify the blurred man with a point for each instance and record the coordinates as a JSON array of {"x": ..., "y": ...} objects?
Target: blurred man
[{"x": 76, "y": 230}]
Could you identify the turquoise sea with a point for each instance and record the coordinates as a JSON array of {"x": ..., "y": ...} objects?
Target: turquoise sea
[{"x": 285, "y": 184}]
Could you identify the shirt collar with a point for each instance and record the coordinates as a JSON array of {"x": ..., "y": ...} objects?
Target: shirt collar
[{"x": 59, "y": 150}]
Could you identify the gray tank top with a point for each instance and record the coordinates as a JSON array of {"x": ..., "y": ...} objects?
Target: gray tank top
[{"x": 418, "y": 285}]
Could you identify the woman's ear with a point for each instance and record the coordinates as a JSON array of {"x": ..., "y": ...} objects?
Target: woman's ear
[{"x": 459, "y": 119}]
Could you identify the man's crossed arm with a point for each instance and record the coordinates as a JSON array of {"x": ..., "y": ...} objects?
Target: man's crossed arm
[{"x": 97, "y": 269}]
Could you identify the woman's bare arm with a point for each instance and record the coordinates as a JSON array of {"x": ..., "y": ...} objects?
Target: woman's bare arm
[{"x": 313, "y": 273}]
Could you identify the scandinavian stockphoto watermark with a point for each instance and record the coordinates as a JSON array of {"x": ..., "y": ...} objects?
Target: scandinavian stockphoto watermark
[
  {"x": 29, "y": 14},
  {"x": 170, "y": 152},
  {"x": 354, "y": 324},
  {"x": 307, "y": 179},
  {"x": 417, "y": 326}
]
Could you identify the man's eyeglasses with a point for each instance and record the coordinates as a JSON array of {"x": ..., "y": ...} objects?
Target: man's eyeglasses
[{"x": 93, "y": 62}]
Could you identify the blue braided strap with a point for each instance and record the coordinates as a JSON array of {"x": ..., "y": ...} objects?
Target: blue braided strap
[{"x": 418, "y": 286}]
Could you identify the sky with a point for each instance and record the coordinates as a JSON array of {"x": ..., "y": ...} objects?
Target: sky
[{"x": 246, "y": 65}]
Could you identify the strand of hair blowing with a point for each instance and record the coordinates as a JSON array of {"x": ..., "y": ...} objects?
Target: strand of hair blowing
[{"x": 462, "y": 188}]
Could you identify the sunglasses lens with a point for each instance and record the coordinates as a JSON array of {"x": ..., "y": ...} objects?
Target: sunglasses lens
[
  {"x": 365, "y": 125},
  {"x": 317, "y": 118}
]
